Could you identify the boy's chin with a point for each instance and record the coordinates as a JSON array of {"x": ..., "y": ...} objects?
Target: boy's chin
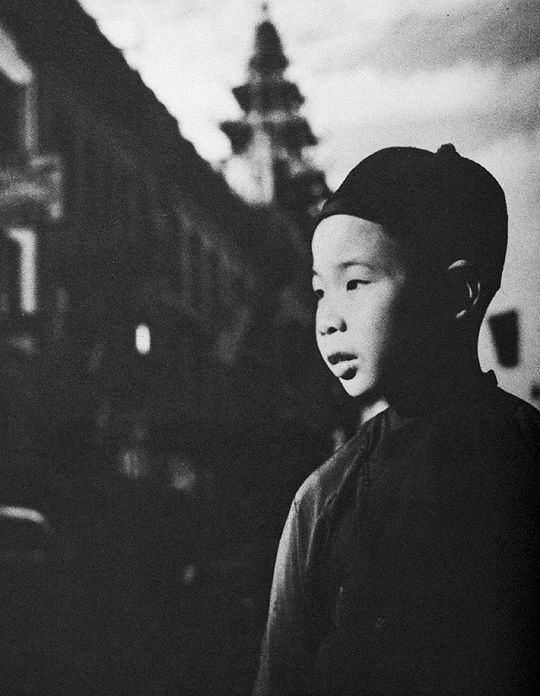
[{"x": 356, "y": 387}]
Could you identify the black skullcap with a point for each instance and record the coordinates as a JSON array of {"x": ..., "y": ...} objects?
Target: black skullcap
[{"x": 457, "y": 205}]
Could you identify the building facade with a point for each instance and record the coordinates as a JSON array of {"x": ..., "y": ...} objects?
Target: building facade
[
  {"x": 153, "y": 330},
  {"x": 129, "y": 268}
]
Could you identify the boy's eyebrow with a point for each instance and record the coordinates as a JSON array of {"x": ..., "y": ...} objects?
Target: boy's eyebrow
[
  {"x": 355, "y": 262},
  {"x": 348, "y": 264}
]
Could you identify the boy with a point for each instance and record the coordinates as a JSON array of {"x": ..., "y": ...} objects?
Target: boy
[{"x": 406, "y": 563}]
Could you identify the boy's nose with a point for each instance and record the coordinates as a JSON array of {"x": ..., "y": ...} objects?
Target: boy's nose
[{"x": 329, "y": 321}]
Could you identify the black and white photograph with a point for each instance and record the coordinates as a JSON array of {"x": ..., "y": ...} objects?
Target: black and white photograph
[{"x": 269, "y": 347}]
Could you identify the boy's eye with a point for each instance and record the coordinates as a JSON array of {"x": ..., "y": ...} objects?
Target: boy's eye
[{"x": 354, "y": 284}]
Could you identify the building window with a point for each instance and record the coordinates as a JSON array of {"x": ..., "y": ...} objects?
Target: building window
[
  {"x": 18, "y": 103},
  {"x": 197, "y": 261},
  {"x": 225, "y": 282},
  {"x": 208, "y": 273},
  {"x": 61, "y": 309},
  {"x": 238, "y": 287},
  {"x": 9, "y": 277},
  {"x": 95, "y": 190},
  {"x": 187, "y": 268},
  {"x": 26, "y": 270},
  {"x": 30, "y": 124},
  {"x": 11, "y": 96},
  {"x": 213, "y": 288}
]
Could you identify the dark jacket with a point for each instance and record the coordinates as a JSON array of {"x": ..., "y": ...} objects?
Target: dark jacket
[{"x": 406, "y": 563}]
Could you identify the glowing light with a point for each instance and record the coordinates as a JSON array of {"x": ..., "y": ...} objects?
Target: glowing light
[
  {"x": 134, "y": 462},
  {"x": 189, "y": 574},
  {"x": 142, "y": 339}
]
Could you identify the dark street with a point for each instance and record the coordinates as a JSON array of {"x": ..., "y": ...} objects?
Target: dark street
[{"x": 127, "y": 594}]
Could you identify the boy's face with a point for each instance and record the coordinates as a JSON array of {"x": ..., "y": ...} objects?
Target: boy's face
[{"x": 366, "y": 306}]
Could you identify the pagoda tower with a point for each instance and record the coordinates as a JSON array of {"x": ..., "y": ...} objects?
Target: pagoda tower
[{"x": 270, "y": 161}]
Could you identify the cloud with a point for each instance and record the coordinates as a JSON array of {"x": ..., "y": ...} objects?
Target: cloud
[
  {"x": 364, "y": 95},
  {"x": 515, "y": 162},
  {"x": 505, "y": 32},
  {"x": 327, "y": 35}
]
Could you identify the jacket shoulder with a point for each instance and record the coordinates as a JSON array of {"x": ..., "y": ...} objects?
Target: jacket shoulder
[
  {"x": 323, "y": 485},
  {"x": 518, "y": 415}
]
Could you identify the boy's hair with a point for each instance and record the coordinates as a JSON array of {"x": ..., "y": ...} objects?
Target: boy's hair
[{"x": 454, "y": 205}]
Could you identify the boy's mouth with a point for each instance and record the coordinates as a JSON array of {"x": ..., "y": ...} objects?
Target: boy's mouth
[
  {"x": 336, "y": 358},
  {"x": 349, "y": 372},
  {"x": 344, "y": 364}
]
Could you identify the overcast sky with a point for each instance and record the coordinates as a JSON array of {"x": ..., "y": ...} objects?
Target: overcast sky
[{"x": 374, "y": 73}]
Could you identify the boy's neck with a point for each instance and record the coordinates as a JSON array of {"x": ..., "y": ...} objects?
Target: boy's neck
[
  {"x": 370, "y": 409},
  {"x": 436, "y": 383}
]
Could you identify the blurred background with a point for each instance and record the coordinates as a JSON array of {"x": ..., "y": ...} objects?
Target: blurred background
[{"x": 161, "y": 165}]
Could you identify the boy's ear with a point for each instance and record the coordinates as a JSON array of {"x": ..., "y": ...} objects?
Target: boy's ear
[{"x": 465, "y": 288}]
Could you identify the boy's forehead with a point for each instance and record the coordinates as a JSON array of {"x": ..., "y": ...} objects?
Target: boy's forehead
[
  {"x": 343, "y": 232},
  {"x": 341, "y": 240}
]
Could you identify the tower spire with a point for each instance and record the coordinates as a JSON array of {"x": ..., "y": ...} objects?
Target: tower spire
[
  {"x": 272, "y": 137},
  {"x": 268, "y": 56}
]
